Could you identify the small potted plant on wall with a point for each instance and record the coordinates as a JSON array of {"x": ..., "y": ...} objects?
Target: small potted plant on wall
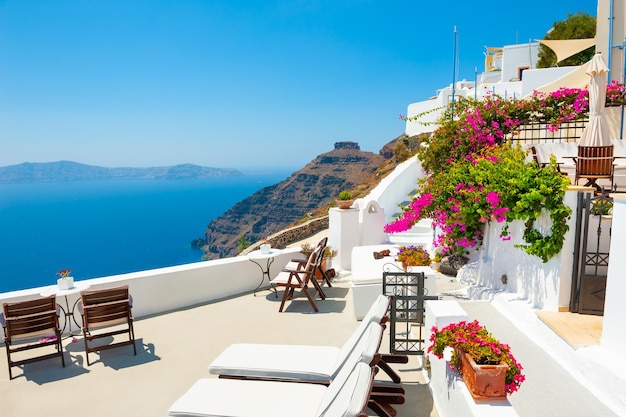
[
  {"x": 66, "y": 281},
  {"x": 344, "y": 200},
  {"x": 413, "y": 256}
]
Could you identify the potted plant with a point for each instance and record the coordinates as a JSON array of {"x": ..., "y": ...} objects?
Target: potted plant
[
  {"x": 306, "y": 249},
  {"x": 436, "y": 261},
  {"x": 265, "y": 246},
  {"x": 66, "y": 281},
  {"x": 344, "y": 200},
  {"x": 486, "y": 365},
  {"x": 329, "y": 254},
  {"x": 413, "y": 256}
]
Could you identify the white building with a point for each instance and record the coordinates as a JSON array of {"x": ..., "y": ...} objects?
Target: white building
[{"x": 510, "y": 72}]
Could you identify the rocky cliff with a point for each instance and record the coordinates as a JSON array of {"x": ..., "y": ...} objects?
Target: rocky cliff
[{"x": 273, "y": 208}]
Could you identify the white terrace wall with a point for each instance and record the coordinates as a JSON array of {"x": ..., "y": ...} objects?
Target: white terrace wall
[
  {"x": 160, "y": 290},
  {"x": 395, "y": 187},
  {"x": 613, "y": 335},
  {"x": 546, "y": 286}
]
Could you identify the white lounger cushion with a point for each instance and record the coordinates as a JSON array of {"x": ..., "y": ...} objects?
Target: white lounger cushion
[
  {"x": 218, "y": 397},
  {"x": 285, "y": 361},
  {"x": 296, "y": 362},
  {"x": 313, "y": 363}
]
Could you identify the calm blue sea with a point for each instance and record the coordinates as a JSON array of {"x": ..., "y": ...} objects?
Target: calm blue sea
[{"x": 100, "y": 228}]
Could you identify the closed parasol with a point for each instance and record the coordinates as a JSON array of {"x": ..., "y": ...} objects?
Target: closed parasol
[{"x": 596, "y": 133}]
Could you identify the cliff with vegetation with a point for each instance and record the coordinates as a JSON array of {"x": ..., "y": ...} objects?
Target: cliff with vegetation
[{"x": 307, "y": 193}]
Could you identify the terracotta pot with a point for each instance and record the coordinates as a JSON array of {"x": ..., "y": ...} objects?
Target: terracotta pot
[
  {"x": 344, "y": 204},
  {"x": 325, "y": 267},
  {"x": 484, "y": 382}
]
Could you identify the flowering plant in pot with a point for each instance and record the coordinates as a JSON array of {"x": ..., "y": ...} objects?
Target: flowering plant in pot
[
  {"x": 413, "y": 256},
  {"x": 66, "y": 281},
  {"x": 474, "y": 340}
]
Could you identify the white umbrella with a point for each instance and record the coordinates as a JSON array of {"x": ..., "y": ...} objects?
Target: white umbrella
[{"x": 596, "y": 133}]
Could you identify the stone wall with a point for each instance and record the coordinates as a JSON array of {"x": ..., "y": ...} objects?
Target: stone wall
[{"x": 292, "y": 234}]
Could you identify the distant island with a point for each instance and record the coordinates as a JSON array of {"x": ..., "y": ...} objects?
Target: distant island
[{"x": 74, "y": 171}]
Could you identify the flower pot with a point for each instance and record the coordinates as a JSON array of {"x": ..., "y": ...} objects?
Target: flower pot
[
  {"x": 344, "y": 204},
  {"x": 326, "y": 264},
  {"x": 484, "y": 382},
  {"x": 65, "y": 283}
]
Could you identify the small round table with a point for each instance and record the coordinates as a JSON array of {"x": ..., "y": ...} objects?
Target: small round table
[
  {"x": 258, "y": 257},
  {"x": 67, "y": 312}
]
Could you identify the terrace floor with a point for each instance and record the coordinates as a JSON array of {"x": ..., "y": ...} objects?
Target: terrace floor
[{"x": 175, "y": 349}]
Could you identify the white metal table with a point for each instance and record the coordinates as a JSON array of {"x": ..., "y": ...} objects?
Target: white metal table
[
  {"x": 258, "y": 257},
  {"x": 67, "y": 312}
]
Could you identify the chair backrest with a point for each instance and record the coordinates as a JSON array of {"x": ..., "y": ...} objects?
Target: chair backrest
[
  {"x": 31, "y": 318},
  {"x": 366, "y": 347},
  {"x": 595, "y": 161},
  {"x": 348, "y": 394},
  {"x": 376, "y": 314},
  {"x": 314, "y": 261},
  {"x": 533, "y": 152},
  {"x": 105, "y": 307}
]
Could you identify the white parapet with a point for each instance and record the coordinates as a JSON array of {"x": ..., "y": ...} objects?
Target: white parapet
[
  {"x": 450, "y": 395},
  {"x": 367, "y": 275}
]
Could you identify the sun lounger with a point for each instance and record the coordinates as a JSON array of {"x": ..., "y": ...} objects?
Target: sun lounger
[
  {"x": 319, "y": 364},
  {"x": 296, "y": 362},
  {"x": 348, "y": 395}
]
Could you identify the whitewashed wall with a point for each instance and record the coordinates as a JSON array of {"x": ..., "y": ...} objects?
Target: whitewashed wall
[
  {"x": 613, "y": 334},
  {"x": 160, "y": 290},
  {"x": 440, "y": 102},
  {"x": 516, "y": 56},
  {"x": 396, "y": 187},
  {"x": 546, "y": 286}
]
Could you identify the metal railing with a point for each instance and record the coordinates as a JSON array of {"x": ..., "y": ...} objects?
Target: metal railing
[{"x": 538, "y": 133}]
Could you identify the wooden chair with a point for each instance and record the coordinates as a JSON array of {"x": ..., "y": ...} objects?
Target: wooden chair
[
  {"x": 298, "y": 274},
  {"x": 31, "y": 325},
  {"x": 535, "y": 156},
  {"x": 102, "y": 309},
  {"x": 594, "y": 163}
]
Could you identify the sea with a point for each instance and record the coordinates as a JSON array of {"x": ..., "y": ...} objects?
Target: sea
[{"x": 109, "y": 227}]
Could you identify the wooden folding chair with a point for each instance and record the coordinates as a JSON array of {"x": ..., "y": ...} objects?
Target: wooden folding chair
[
  {"x": 594, "y": 163},
  {"x": 298, "y": 274},
  {"x": 540, "y": 164},
  {"x": 106, "y": 308},
  {"x": 31, "y": 325}
]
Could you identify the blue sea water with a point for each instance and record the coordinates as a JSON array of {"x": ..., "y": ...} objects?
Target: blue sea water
[{"x": 101, "y": 228}]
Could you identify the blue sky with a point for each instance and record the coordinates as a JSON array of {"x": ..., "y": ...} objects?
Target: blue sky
[{"x": 237, "y": 84}]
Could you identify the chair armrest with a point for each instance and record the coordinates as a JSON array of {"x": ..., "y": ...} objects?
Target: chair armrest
[
  {"x": 299, "y": 270},
  {"x": 387, "y": 398},
  {"x": 380, "y": 386},
  {"x": 394, "y": 358}
]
